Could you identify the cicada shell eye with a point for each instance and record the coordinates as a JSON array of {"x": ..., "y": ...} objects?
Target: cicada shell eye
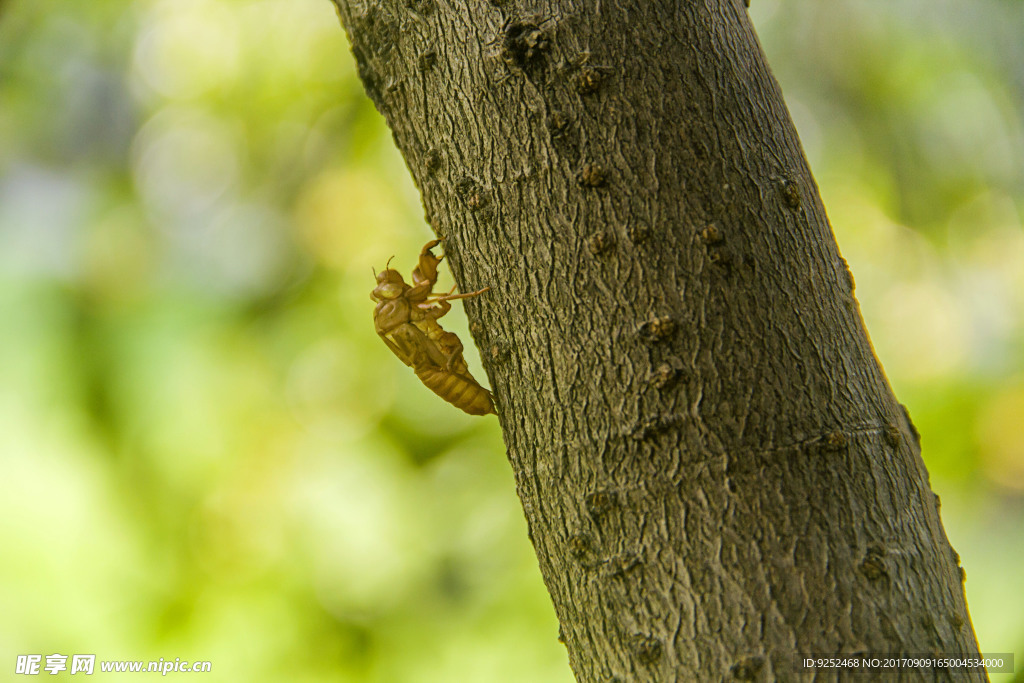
[{"x": 388, "y": 290}]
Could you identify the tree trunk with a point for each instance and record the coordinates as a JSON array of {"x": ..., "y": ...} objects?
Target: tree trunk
[{"x": 714, "y": 469}]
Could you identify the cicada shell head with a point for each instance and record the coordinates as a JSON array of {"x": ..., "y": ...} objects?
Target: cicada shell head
[{"x": 390, "y": 285}]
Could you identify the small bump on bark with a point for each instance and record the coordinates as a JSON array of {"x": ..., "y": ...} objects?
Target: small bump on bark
[
  {"x": 599, "y": 502},
  {"x": 601, "y": 243},
  {"x": 498, "y": 352},
  {"x": 956, "y": 621},
  {"x": 638, "y": 234},
  {"x": 471, "y": 193},
  {"x": 657, "y": 329},
  {"x": 580, "y": 546},
  {"x": 592, "y": 174},
  {"x": 620, "y": 564},
  {"x": 524, "y": 44},
  {"x": 747, "y": 668},
  {"x": 851, "y": 284},
  {"x": 834, "y": 441},
  {"x": 873, "y": 565},
  {"x": 426, "y": 60},
  {"x": 647, "y": 648},
  {"x": 587, "y": 80},
  {"x": 719, "y": 255},
  {"x": 423, "y": 7},
  {"x": 564, "y": 137},
  {"x": 649, "y": 429},
  {"x": 711, "y": 234},
  {"x": 664, "y": 376},
  {"x": 790, "y": 192},
  {"x": 476, "y": 200},
  {"x": 432, "y": 161},
  {"x": 891, "y": 434},
  {"x": 557, "y": 122}
]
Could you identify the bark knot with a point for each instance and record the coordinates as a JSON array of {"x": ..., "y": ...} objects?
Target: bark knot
[
  {"x": 746, "y": 669},
  {"x": 711, "y": 234},
  {"x": 524, "y": 44},
  {"x": 648, "y": 649},
  {"x": 873, "y": 566},
  {"x": 599, "y": 502},
  {"x": 601, "y": 243},
  {"x": 790, "y": 193},
  {"x": 593, "y": 174},
  {"x": 658, "y": 329},
  {"x": 664, "y": 376},
  {"x": 587, "y": 80}
]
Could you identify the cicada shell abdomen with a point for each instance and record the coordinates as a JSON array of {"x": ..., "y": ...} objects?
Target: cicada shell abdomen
[{"x": 461, "y": 391}]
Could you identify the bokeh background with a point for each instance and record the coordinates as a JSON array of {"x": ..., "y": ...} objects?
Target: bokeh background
[{"x": 206, "y": 453}]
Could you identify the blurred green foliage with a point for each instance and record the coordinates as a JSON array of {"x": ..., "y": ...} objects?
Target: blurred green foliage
[{"x": 207, "y": 454}]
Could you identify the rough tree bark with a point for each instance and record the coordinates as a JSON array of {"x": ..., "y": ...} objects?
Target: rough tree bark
[{"x": 714, "y": 469}]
